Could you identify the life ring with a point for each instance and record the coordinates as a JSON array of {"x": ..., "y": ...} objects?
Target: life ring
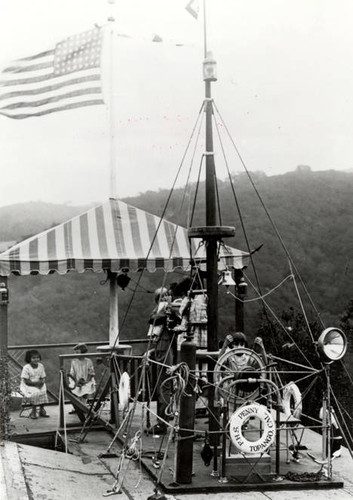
[
  {"x": 124, "y": 390},
  {"x": 241, "y": 417},
  {"x": 292, "y": 400}
]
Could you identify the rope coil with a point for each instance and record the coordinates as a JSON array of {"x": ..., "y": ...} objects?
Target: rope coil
[
  {"x": 179, "y": 376},
  {"x": 132, "y": 452}
]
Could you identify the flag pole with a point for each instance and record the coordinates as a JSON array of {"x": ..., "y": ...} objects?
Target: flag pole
[
  {"x": 111, "y": 21},
  {"x": 113, "y": 285},
  {"x": 204, "y": 30},
  {"x": 114, "y": 345}
]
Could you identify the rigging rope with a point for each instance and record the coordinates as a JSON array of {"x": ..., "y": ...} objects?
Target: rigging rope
[
  {"x": 302, "y": 306},
  {"x": 153, "y": 361},
  {"x": 238, "y": 206},
  {"x": 245, "y": 301},
  {"x": 280, "y": 323},
  {"x": 62, "y": 403},
  {"x": 179, "y": 377},
  {"x": 196, "y": 192},
  {"x": 160, "y": 223},
  {"x": 269, "y": 216},
  {"x": 132, "y": 452},
  {"x": 345, "y": 432},
  {"x": 191, "y": 217},
  {"x": 217, "y": 197},
  {"x": 92, "y": 414}
]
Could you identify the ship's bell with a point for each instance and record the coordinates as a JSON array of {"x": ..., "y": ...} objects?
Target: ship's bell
[{"x": 226, "y": 279}]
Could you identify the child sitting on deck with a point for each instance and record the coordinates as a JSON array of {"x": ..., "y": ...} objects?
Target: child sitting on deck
[
  {"x": 33, "y": 383},
  {"x": 82, "y": 373}
]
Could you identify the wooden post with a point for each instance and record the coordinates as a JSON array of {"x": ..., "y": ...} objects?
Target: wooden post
[
  {"x": 114, "y": 400},
  {"x": 4, "y": 374},
  {"x": 184, "y": 458},
  {"x": 113, "y": 311},
  {"x": 324, "y": 428},
  {"x": 240, "y": 292},
  {"x": 4, "y": 300},
  {"x": 239, "y": 314}
]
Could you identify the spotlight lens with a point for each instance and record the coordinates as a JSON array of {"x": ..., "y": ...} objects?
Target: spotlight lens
[{"x": 332, "y": 344}]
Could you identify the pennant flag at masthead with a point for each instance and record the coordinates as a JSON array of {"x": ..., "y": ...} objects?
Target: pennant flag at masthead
[{"x": 193, "y": 8}]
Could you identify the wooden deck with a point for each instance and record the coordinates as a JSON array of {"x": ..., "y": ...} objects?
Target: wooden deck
[{"x": 86, "y": 473}]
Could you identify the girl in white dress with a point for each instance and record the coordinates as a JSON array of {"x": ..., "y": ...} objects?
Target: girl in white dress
[
  {"x": 82, "y": 373},
  {"x": 33, "y": 383}
]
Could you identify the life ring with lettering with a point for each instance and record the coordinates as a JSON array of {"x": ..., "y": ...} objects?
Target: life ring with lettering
[
  {"x": 240, "y": 417},
  {"x": 124, "y": 390},
  {"x": 292, "y": 400}
]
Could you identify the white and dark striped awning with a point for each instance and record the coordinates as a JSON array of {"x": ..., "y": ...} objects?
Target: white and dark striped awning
[{"x": 112, "y": 236}]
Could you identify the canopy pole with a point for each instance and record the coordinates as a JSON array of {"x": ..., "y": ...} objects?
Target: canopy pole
[{"x": 113, "y": 311}]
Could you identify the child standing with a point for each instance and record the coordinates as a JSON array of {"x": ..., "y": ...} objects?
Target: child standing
[{"x": 33, "y": 383}]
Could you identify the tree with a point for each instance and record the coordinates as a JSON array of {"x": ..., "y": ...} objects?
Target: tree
[
  {"x": 291, "y": 341},
  {"x": 295, "y": 344},
  {"x": 342, "y": 375}
]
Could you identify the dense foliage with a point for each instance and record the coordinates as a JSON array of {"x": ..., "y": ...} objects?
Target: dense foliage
[
  {"x": 310, "y": 211},
  {"x": 292, "y": 343}
]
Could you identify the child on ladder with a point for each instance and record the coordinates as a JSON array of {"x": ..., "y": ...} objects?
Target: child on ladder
[{"x": 33, "y": 383}]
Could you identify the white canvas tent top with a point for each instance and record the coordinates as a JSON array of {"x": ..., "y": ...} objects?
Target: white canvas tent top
[{"x": 112, "y": 236}]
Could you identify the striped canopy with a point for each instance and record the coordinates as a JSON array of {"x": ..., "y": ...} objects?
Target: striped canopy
[{"x": 111, "y": 236}]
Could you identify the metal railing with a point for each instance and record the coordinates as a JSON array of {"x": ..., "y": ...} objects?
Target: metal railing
[{"x": 52, "y": 361}]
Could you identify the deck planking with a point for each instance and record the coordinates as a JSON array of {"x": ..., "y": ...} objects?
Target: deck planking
[{"x": 139, "y": 481}]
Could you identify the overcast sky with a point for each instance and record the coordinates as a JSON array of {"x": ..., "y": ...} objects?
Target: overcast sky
[{"x": 284, "y": 90}]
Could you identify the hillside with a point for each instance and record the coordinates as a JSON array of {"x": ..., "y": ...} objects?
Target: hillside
[
  {"x": 313, "y": 215},
  {"x": 311, "y": 211},
  {"x": 22, "y": 220}
]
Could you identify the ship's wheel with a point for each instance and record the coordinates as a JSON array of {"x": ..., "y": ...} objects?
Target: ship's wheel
[{"x": 238, "y": 363}]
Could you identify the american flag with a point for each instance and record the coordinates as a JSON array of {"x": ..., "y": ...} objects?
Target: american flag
[{"x": 67, "y": 77}]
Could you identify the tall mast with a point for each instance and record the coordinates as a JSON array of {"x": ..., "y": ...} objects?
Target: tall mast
[
  {"x": 211, "y": 234},
  {"x": 210, "y": 187}
]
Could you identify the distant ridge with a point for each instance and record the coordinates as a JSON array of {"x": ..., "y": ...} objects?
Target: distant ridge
[
  {"x": 22, "y": 220},
  {"x": 323, "y": 191},
  {"x": 311, "y": 210},
  {"x": 4, "y": 245}
]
